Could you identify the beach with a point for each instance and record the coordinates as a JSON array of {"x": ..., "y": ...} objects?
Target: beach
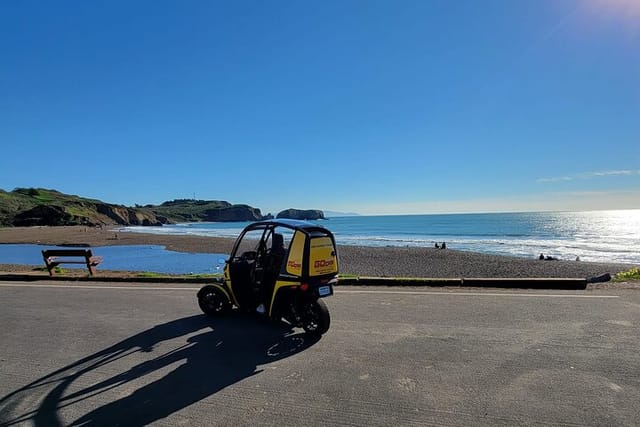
[{"x": 354, "y": 260}]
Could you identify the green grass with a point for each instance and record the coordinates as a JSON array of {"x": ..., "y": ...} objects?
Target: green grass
[
  {"x": 151, "y": 274},
  {"x": 75, "y": 210},
  {"x": 626, "y": 276},
  {"x": 204, "y": 275}
]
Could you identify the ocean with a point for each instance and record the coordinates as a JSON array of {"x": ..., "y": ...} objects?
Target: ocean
[{"x": 599, "y": 236}]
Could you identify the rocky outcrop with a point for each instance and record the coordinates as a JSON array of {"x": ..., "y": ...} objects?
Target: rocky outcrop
[
  {"x": 233, "y": 213},
  {"x": 301, "y": 214},
  {"x": 46, "y": 215},
  {"x": 184, "y": 210},
  {"x": 53, "y": 215},
  {"x": 129, "y": 216}
]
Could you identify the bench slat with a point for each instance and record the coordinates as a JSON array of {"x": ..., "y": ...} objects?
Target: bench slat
[
  {"x": 54, "y": 257},
  {"x": 67, "y": 252}
]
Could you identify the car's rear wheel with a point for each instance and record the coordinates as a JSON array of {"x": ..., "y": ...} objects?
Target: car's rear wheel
[{"x": 315, "y": 318}]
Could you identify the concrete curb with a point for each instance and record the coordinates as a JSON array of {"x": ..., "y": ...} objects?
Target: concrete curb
[
  {"x": 521, "y": 283},
  {"x": 112, "y": 279},
  {"x": 518, "y": 282}
]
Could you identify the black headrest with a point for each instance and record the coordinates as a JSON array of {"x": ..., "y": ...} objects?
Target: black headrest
[{"x": 278, "y": 240}]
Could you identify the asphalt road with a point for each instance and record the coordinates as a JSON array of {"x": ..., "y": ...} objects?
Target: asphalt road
[{"x": 136, "y": 354}]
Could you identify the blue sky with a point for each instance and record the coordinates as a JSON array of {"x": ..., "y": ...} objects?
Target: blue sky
[{"x": 377, "y": 107}]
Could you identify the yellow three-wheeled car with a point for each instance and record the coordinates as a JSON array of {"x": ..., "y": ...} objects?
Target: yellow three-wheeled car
[{"x": 282, "y": 268}]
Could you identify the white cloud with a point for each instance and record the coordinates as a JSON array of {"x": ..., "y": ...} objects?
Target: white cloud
[
  {"x": 589, "y": 175},
  {"x": 556, "y": 179}
]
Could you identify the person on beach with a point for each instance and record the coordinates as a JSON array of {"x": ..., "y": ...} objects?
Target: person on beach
[
  {"x": 437, "y": 246},
  {"x": 444, "y": 245},
  {"x": 541, "y": 257}
]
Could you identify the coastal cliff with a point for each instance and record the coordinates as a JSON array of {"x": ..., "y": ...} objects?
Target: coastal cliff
[
  {"x": 185, "y": 210},
  {"x": 24, "y": 207}
]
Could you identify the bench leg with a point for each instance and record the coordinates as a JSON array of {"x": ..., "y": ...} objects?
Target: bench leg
[
  {"x": 51, "y": 267},
  {"x": 91, "y": 268}
]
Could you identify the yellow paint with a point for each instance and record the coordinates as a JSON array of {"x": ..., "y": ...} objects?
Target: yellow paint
[
  {"x": 228, "y": 289},
  {"x": 296, "y": 252},
  {"x": 279, "y": 285},
  {"x": 322, "y": 259}
]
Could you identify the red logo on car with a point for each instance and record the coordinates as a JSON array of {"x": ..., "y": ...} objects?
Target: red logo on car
[
  {"x": 293, "y": 264},
  {"x": 323, "y": 263}
]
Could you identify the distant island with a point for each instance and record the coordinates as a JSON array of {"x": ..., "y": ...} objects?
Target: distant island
[{"x": 25, "y": 207}]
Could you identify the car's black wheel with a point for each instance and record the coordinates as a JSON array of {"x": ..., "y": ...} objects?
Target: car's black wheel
[
  {"x": 213, "y": 302},
  {"x": 315, "y": 318}
]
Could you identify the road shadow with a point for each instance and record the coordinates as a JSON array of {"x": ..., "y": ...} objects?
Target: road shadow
[{"x": 211, "y": 354}]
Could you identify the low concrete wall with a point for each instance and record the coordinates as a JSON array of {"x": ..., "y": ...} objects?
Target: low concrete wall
[{"x": 522, "y": 283}]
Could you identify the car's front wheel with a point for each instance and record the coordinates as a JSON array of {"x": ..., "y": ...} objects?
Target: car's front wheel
[{"x": 213, "y": 302}]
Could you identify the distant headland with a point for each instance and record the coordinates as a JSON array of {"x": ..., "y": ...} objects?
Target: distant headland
[{"x": 24, "y": 207}]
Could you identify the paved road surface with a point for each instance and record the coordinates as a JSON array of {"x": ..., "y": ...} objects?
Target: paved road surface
[{"x": 132, "y": 354}]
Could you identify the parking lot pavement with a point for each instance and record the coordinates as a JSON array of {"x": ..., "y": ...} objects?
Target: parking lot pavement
[{"x": 139, "y": 354}]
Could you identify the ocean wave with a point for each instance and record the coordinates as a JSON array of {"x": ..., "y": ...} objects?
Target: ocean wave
[
  {"x": 561, "y": 249},
  {"x": 592, "y": 237}
]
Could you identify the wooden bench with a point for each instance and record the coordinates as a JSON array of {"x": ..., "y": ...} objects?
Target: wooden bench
[{"x": 55, "y": 257}]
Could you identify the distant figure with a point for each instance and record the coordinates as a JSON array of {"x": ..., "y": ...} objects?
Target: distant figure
[
  {"x": 541, "y": 256},
  {"x": 550, "y": 258},
  {"x": 578, "y": 258},
  {"x": 437, "y": 246},
  {"x": 444, "y": 246}
]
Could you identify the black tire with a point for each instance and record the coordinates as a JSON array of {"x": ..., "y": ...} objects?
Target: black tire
[
  {"x": 213, "y": 302},
  {"x": 316, "y": 319}
]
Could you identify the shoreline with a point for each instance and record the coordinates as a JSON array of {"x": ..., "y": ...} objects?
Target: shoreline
[{"x": 356, "y": 260}]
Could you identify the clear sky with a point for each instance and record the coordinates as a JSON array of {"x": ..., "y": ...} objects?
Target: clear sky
[{"x": 377, "y": 107}]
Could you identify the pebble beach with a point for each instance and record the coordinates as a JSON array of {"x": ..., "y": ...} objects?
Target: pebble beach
[{"x": 355, "y": 260}]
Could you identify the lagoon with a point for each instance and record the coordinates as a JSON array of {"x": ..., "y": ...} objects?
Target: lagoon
[{"x": 152, "y": 258}]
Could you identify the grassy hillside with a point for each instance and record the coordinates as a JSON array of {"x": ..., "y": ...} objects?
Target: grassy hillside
[
  {"x": 23, "y": 199},
  {"x": 11, "y": 203},
  {"x": 39, "y": 206},
  {"x": 184, "y": 210}
]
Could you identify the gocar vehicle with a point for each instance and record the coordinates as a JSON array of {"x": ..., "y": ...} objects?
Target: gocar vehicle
[{"x": 282, "y": 268}]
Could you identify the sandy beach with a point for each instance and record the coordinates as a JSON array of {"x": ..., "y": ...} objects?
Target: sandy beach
[{"x": 357, "y": 260}]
